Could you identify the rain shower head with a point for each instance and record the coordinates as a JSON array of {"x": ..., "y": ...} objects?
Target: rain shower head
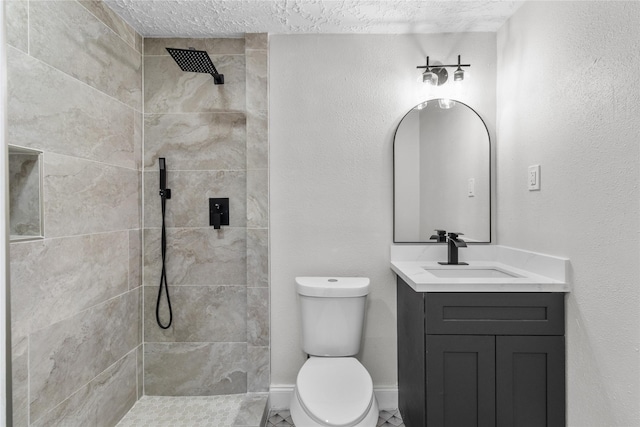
[{"x": 196, "y": 61}]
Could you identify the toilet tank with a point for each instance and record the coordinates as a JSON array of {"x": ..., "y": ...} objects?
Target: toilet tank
[{"x": 332, "y": 311}]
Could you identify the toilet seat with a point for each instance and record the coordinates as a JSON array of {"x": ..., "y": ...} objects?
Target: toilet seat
[{"x": 335, "y": 391}]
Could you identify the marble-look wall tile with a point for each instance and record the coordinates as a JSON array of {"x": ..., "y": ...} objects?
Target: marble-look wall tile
[
  {"x": 190, "y": 193},
  {"x": 70, "y": 353},
  {"x": 140, "y": 369},
  {"x": 200, "y": 314},
  {"x": 258, "y": 198},
  {"x": 139, "y": 43},
  {"x": 138, "y": 138},
  {"x": 257, "y": 257},
  {"x": 140, "y": 315},
  {"x": 102, "y": 402},
  {"x": 139, "y": 182},
  {"x": 67, "y": 36},
  {"x": 51, "y": 111},
  {"x": 258, "y": 374},
  {"x": 20, "y": 381},
  {"x": 83, "y": 197},
  {"x": 54, "y": 279},
  {"x": 197, "y": 256},
  {"x": 108, "y": 17},
  {"x": 17, "y": 23},
  {"x": 258, "y": 316},
  {"x": 199, "y": 141},
  {"x": 135, "y": 258},
  {"x": 157, "y": 46},
  {"x": 195, "y": 369},
  {"x": 205, "y": 151},
  {"x": 257, "y": 89},
  {"x": 257, "y": 139},
  {"x": 258, "y": 327},
  {"x": 256, "y": 41},
  {"x": 252, "y": 410},
  {"x": 168, "y": 89}
]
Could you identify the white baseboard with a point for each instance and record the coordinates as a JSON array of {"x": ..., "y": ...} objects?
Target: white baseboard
[
  {"x": 280, "y": 396},
  {"x": 387, "y": 397}
]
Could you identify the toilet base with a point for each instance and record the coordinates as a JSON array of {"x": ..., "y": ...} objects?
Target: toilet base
[{"x": 301, "y": 419}]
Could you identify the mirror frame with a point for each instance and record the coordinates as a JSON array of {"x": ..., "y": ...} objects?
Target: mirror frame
[{"x": 490, "y": 177}]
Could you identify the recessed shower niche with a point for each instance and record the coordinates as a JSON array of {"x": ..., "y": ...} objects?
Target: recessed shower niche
[{"x": 25, "y": 194}]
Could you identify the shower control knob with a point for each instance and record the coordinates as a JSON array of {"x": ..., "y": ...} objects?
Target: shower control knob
[{"x": 218, "y": 212}]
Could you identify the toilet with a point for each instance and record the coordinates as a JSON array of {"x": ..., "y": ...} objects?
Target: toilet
[{"x": 333, "y": 388}]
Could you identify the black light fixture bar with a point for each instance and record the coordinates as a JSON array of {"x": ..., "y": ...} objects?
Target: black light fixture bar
[{"x": 443, "y": 66}]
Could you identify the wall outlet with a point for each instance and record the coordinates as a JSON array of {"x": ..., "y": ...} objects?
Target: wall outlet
[{"x": 534, "y": 178}]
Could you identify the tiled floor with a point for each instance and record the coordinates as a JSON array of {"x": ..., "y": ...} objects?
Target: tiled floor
[
  {"x": 197, "y": 411},
  {"x": 282, "y": 418},
  {"x": 235, "y": 410}
]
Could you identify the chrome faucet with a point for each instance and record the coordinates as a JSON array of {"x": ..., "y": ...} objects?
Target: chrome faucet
[{"x": 452, "y": 249}]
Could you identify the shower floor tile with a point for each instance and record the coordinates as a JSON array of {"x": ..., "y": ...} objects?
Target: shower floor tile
[
  {"x": 188, "y": 411},
  {"x": 282, "y": 418}
]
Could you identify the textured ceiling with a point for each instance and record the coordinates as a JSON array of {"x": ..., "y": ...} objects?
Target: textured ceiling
[{"x": 232, "y": 18}]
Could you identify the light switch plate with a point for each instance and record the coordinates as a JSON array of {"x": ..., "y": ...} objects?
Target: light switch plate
[
  {"x": 534, "y": 178},
  {"x": 471, "y": 187}
]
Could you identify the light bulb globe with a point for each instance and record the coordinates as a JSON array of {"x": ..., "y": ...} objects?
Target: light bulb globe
[
  {"x": 430, "y": 77},
  {"x": 458, "y": 75}
]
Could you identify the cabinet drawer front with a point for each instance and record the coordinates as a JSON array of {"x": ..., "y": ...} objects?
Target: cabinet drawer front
[{"x": 495, "y": 313}]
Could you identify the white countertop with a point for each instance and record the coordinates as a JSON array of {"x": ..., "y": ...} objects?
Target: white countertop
[{"x": 533, "y": 272}]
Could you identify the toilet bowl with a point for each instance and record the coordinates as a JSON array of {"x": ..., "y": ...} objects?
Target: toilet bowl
[{"x": 334, "y": 391}]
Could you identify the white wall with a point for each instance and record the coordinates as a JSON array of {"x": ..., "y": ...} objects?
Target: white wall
[
  {"x": 335, "y": 102},
  {"x": 568, "y": 99}
]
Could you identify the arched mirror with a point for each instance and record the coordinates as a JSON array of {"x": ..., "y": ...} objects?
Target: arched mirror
[{"x": 442, "y": 173}]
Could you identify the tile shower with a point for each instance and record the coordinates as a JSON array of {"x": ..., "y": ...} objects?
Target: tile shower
[
  {"x": 85, "y": 343},
  {"x": 219, "y": 288}
]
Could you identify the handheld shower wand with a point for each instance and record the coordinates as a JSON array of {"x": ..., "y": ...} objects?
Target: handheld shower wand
[
  {"x": 165, "y": 194},
  {"x": 164, "y": 191}
]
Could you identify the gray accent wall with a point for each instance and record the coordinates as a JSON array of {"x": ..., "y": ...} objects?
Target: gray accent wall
[
  {"x": 215, "y": 141},
  {"x": 75, "y": 93}
]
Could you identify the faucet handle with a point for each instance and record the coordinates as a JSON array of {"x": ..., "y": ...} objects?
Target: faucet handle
[
  {"x": 440, "y": 237},
  {"x": 454, "y": 234}
]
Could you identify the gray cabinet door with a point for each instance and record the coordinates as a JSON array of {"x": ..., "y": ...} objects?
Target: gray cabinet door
[
  {"x": 461, "y": 381},
  {"x": 530, "y": 383}
]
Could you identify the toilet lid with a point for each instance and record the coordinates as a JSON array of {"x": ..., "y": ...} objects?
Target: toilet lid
[{"x": 336, "y": 391}]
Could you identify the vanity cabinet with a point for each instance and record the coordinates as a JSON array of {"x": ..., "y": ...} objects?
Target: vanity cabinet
[{"x": 481, "y": 359}]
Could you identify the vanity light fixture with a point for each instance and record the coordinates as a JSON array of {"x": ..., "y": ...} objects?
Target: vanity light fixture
[{"x": 437, "y": 75}]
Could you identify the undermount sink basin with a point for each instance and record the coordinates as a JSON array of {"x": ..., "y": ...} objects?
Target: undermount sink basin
[{"x": 469, "y": 273}]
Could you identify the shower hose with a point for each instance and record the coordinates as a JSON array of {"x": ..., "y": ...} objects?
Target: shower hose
[{"x": 163, "y": 274}]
